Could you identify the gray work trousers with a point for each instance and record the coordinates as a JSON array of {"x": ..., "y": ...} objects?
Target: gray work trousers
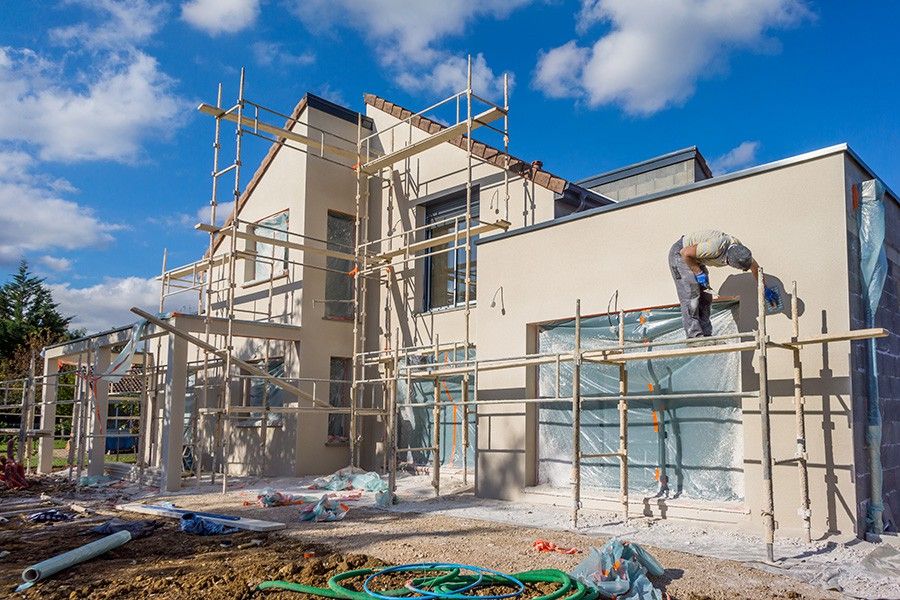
[{"x": 695, "y": 303}]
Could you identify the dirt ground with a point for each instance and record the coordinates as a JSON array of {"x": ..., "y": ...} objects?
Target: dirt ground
[{"x": 171, "y": 564}]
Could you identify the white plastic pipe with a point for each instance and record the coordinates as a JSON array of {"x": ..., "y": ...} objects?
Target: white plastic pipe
[{"x": 51, "y": 566}]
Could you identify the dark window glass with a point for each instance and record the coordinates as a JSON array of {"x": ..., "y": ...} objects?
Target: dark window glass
[
  {"x": 339, "y": 395},
  {"x": 338, "y": 284},
  {"x": 445, "y": 269}
]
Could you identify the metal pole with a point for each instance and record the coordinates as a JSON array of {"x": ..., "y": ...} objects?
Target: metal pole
[
  {"x": 799, "y": 405},
  {"x": 576, "y": 417},
  {"x": 762, "y": 342},
  {"x": 392, "y": 417},
  {"x": 357, "y": 295},
  {"x": 623, "y": 424},
  {"x": 436, "y": 426}
]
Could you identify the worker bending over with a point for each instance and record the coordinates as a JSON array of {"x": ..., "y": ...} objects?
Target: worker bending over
[{"x": 689, "y": 258}]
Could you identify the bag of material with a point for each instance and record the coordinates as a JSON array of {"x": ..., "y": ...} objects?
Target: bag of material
[
  {"x": 619, "y": 570},
  {"x": 197, "y": 525},
  {"x": 325, "y": 510}
]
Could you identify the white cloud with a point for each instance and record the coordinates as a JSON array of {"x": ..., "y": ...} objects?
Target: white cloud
[
  {"x": 106, "y": 304},
  {"x": 407, "y": 35},
  {"x": 220, "y": 16},
  {"x": 223, "y": 211},
  {"x": 558, "y": 70},
  {"x": 55, "y": 263},
  {"x": 128, "y": 23},
  {"x": 742, "y": 155},
  {"x": 34, "y": 217},
  {"x": 657, "y": 50},
  {"x": 274, "y": 54},
  {"x": 123, "y": 103},
  {"x": 449, "y": 76}
]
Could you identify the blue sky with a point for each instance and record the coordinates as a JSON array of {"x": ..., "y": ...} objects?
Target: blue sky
[{"x": 104, "y": 160}]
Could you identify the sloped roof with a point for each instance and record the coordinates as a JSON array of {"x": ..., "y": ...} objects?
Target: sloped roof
[{"x": 485, "y": 152}]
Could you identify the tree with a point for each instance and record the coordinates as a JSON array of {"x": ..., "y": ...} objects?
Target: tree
[{"x": 29, "y": 320}]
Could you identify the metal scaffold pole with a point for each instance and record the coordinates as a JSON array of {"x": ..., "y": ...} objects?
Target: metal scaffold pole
[
  {"x": 765, "y": 425},
  {"x": 799, "y": 407},
  {"x": 232, "y": 274},
  {"x": 576, "y": 417}
]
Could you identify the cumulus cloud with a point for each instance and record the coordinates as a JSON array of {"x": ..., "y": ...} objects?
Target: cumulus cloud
[
  {"x": 220, "y": 16},
  {"x": 274, "y": 54},
  {"x": 35, "y": 216},
  {"x": 739, "y": 157},
  {"x": 55, "y": 263},
  {"x": 448, "y": 75},
  {"x": 127, "y": 24},
  {"x": 407, "y": 36},
  {"x": 126, "y": 102},
  {"x": 105, "y": 107},
  {"x": 657, "y": 50},
  {"x": 106, "y": 304}
]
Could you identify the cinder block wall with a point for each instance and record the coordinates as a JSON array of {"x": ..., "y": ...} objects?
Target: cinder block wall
[{"x": 888, "y": 350}]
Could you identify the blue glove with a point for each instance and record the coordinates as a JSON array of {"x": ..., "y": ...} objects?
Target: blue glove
[
  {"x": 772, "y": 296},
  {"x": 702, "y": 280}
]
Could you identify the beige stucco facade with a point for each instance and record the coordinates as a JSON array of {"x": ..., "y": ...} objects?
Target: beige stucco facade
[{"x": 797, "y": 216}]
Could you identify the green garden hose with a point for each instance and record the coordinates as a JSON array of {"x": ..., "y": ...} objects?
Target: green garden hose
[{"x": 445, "y": 582}]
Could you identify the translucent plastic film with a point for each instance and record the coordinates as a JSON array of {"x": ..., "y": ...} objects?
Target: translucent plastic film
[
  {"x": 415, "y": 426},
  {"x": 691, "y": 448}
]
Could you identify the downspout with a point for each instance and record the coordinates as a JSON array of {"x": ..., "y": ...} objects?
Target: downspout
[{"x": 873, "y": 268}]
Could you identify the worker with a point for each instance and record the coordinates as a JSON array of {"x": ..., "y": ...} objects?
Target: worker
[{"x": 689, "y": 258}]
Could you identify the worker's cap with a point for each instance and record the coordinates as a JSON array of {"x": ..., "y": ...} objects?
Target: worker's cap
[{"x": 739, "y": 257}]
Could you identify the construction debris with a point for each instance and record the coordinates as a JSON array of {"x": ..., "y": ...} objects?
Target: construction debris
[
  {"x": 325, "y": 510},
  {"x": 197, "y": 525},
  {"x": 619, "y": 570},
  {"x": 545, "y": 546},
  {"x": 54, "y": 565},
  {"x": 174, "y": 513}
]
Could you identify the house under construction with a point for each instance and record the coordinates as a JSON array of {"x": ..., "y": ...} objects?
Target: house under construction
[{"x": 389, "y": 289}]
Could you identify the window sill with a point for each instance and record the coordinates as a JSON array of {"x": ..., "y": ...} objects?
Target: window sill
[
  {"x": 445, "y": 309},
  {"x": 345, "y": 444},
  {"x": 338, "y": 319},
  {"x": 256, "y": 282}
]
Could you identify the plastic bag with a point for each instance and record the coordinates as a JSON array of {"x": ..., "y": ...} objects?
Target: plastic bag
[
  {"x": 325, "y": 510},
  {"x": 619, "y": 570},
  {"x": 197, "y": 525}
]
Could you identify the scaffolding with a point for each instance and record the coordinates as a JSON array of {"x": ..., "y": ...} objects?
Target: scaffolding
[{"x": 376, "y": 374}]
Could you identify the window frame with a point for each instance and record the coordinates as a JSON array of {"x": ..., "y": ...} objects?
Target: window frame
[
  {"x": 447, "y": 207},
  {"x": 251, "y": 273},
  {"x": 333, "y": 317}
]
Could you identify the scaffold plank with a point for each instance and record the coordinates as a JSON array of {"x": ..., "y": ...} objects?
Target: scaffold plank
[
  {"x": 256, "y": 124},
  {"x": 439, "y": 241},
  {"x": 444, "y": 135}
]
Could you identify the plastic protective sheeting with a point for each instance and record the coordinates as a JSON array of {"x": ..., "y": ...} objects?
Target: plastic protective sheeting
[
  {"x": 691, "y": 448},
  {"x": 873, "y": 268},
  {"x": 415, "y": 426}
]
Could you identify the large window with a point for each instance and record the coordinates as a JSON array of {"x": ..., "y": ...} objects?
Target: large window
[
  {"x": 268, "y": 255},
  {"x": 338, "y": 284},
  {"x": 445, "y": 269},
  {"x": 339, "y": 395}
]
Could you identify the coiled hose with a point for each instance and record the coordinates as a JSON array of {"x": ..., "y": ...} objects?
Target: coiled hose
[{"x": 447, "y": 584}]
